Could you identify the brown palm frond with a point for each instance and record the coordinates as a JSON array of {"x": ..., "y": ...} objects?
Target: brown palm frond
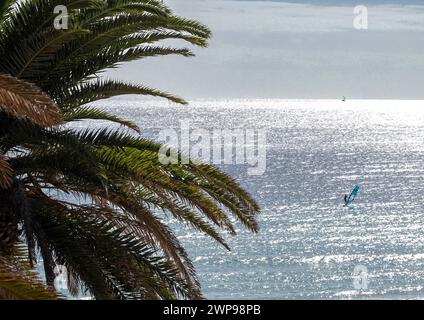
[
  {"x": 5, "y": 173},
  {"x": 18, "y": 281},
  {"x": 25, "y": 101}
]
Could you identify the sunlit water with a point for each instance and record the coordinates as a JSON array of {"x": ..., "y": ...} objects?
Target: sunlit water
[{"x": 309, "y": 244}]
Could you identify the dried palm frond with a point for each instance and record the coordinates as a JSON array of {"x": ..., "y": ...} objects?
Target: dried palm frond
[
  {"x": 25, "y": 101},
  {"x": 5, "y": 173}
]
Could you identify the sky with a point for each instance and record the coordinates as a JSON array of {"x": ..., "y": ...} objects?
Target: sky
[{"x": 297, "y": 50}]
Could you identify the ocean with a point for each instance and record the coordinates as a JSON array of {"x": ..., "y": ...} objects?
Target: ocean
[{"x": 310, "y": 246}]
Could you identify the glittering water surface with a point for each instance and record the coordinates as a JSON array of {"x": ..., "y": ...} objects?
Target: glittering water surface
[{"x": 309, "y": 244}]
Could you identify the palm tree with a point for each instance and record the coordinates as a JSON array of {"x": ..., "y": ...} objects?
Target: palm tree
[
  {"x": 19, "y": 100},
  {"x": 96, "y": 200}
]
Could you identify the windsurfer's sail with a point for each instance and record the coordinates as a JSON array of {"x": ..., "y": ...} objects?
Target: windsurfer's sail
[{"x": 352, "y": 195}]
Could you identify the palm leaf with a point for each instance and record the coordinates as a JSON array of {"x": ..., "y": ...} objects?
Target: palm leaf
[
  {"x": 79, "y": 95},
  {"x": 15, "y": 287},
  {"x": 18, "y": 281},
  {"x": 5, "y": 173},
  {"x": 5, "y": 8},
  {"x": 105, "y": 240},
  {"x": 23, "y": 100},
  {"x": 97, "y": 114}
]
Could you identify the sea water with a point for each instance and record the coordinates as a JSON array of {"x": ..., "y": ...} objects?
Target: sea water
[{"x": 310, "y": 246}]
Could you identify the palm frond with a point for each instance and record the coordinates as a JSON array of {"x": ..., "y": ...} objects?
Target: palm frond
[
  {"x": 92, "y": 113},
  {"x": 115, "y": 251},
  {"x": 73, "y": 97},
  {"x": 90, "y": 66},
  {"x": 5, "y": 173},
  {"x": 19, "y": 282},
  {"x": 5, "y": 10},
  {"x": 23, "y": 100}
]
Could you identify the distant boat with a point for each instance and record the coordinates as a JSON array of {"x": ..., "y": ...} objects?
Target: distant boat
[{"x": 344, "y": 99}]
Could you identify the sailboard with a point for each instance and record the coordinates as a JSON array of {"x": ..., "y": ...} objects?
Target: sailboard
[{"x": 352, "y": 195}]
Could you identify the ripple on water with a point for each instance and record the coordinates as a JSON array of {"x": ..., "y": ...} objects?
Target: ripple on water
[{"x": 309, "y": 245}]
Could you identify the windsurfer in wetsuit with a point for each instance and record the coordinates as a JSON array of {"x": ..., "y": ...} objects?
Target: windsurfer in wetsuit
[{"x": 345, "y": 199}]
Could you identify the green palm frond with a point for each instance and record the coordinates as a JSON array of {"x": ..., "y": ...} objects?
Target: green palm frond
[
  {"x": 37, "y": 52},
  {"x": 5, "y": 10},
  {"x": 92, "y": 113},
  {"x": 30, "y": 18},
  {"x": 102, "y": 34},
  {"x": 74, "y": 97},
  {"x": 89, "y": 67},
  {"x": 111, "y": 248}
]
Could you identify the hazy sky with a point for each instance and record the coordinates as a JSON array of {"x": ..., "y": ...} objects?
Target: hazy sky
[{"x": 301, "y": 49}]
